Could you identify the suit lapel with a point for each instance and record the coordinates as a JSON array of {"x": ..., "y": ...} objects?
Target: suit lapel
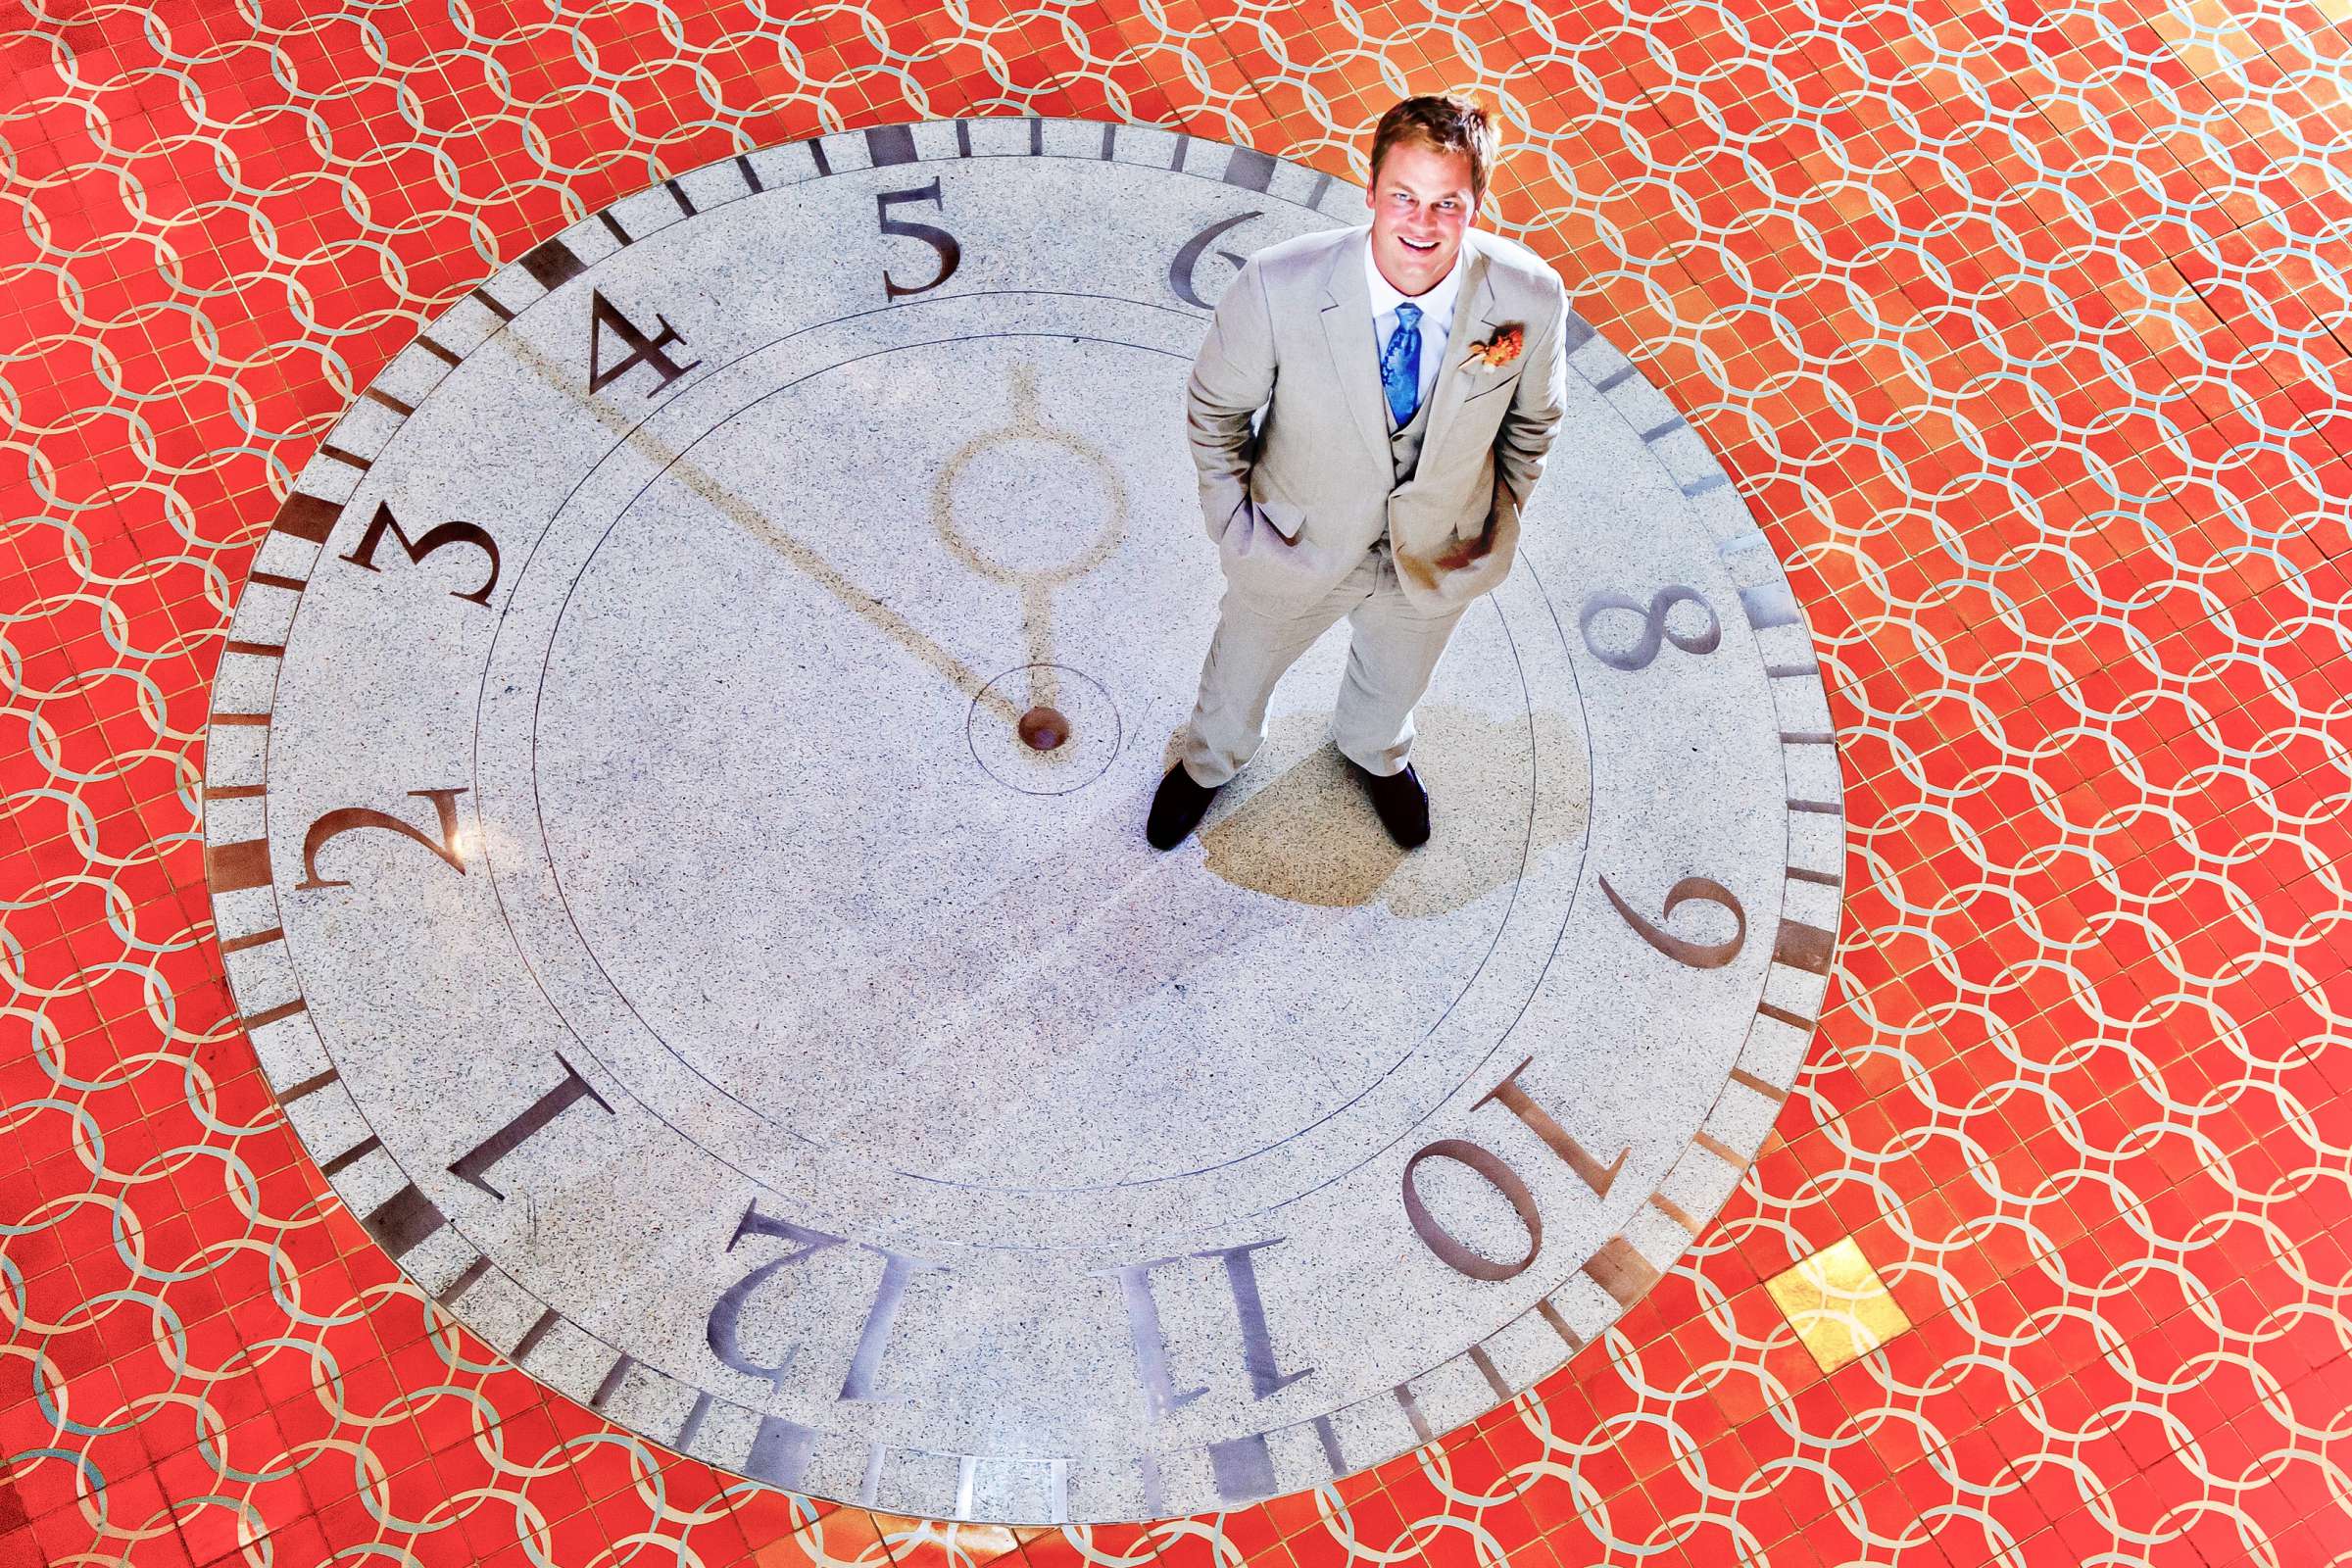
[
  {"x": 1348, "y": 333},
  {"x": 1474, "y": 319}
]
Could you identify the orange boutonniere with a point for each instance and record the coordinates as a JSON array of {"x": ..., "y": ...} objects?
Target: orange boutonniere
[{"x": 1502, "y": 350}]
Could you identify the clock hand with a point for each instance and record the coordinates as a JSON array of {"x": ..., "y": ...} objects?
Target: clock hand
[{"x": 809, "y": 562}]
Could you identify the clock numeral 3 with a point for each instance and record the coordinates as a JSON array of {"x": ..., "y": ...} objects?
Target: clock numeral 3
[
  {"x": 951, "y": 253},
  {"x": 424, "y": 544},
  {"x": 606, "y": 316},
  {"x": 349, "y": 818},
  {"x": 1697, "y": 954},
  {"x": 1654, "y": 629}
]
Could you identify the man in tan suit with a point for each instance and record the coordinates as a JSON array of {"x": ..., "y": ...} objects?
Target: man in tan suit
[{"x": 1410, "y": 375}]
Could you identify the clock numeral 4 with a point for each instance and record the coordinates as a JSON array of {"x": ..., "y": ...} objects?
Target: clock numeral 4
[{"x": 652, "y": 352}]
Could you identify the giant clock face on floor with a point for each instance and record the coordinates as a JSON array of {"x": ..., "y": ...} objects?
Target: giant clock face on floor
[{"x": 640, "y": 890}]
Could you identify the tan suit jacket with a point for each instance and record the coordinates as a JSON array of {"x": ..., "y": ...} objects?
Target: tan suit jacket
[{"x": 1294, "y": 506}]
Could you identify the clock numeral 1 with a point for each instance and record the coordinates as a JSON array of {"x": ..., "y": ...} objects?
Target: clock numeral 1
[
  {"x": 350, "y": 818},
  {"x": 950, "y": 252},
  {"x": 1496, "y": 1172},
  {"x": 606, "y": 316},
  {"x": 474, "y": 1167}
]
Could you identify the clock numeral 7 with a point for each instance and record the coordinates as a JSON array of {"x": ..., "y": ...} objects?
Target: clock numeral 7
[{"x": 951, "y": 253}]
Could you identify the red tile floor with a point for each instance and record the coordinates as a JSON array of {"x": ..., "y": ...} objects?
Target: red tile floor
[{"x": 2025, "y": 332}]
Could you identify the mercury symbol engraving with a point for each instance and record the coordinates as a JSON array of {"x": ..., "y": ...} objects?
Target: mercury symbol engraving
[{"x": 993, "y": 463}]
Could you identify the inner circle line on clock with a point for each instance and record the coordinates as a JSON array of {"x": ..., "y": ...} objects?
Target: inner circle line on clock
[{"x": 619, "y": 992}]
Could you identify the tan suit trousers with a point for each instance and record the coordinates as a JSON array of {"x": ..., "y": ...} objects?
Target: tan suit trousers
[{"x": 1392, "y": 654}]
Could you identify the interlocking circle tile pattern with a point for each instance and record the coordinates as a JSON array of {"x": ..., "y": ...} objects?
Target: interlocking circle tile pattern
[{"x": 2020, "y": 329}]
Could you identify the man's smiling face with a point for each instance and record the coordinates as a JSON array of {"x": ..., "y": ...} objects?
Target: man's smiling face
[{"x": 1421, "y": 202}]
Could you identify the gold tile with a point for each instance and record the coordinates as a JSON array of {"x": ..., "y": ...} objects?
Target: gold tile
[{"x": 1837, "y": 1304}]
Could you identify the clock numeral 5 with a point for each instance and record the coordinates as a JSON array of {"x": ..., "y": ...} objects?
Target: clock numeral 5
[{"x": 950, "y": 252}]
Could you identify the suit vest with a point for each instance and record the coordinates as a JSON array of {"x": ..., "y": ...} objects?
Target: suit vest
[{"x": 1404, "y": 446}]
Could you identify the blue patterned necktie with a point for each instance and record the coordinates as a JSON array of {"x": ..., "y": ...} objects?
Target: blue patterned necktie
[{"x": 1400, "y": 365}]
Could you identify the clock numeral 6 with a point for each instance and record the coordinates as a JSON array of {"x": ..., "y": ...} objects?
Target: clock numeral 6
[
  {"x": 1180, "y": 271},
  {"x": 951, "y": 253},
  {"x": 1654, "y": 629}
]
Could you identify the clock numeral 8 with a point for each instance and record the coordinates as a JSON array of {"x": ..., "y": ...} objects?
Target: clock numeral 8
[{"x": 1654, "y": 629}]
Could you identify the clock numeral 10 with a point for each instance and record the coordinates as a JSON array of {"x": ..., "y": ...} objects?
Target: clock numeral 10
[{"x": 1496, "y": 1172}]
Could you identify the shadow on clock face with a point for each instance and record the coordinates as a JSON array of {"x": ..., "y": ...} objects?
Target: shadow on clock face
[{"x": 1307, "y": 833}]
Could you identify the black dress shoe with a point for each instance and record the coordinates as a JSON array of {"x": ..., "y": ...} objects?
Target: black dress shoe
[
  {"x": 1177, "y": 809},
  {"x": 1400, "y": 801}
]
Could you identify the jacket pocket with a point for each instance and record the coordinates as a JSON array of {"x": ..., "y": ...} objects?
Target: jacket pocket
[
  {"x": 1286, "y": 518},
  {"x": 1491, "y": 387}
]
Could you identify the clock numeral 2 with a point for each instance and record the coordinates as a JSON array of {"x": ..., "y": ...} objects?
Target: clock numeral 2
[
  {"x": 951, "y": 253},
  {"x": 434, "y": 538},
  {"x": 606, "y": 316},
  {"x": 349, "y": 818}
]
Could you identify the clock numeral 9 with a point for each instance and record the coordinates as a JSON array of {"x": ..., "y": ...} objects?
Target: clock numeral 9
[
  {"x": 1697, "y": 954},
  {"x": 951, "y": 253}
]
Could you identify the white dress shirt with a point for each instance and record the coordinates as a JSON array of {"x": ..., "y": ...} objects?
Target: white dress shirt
[{"x": 1437, "y": 317}]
